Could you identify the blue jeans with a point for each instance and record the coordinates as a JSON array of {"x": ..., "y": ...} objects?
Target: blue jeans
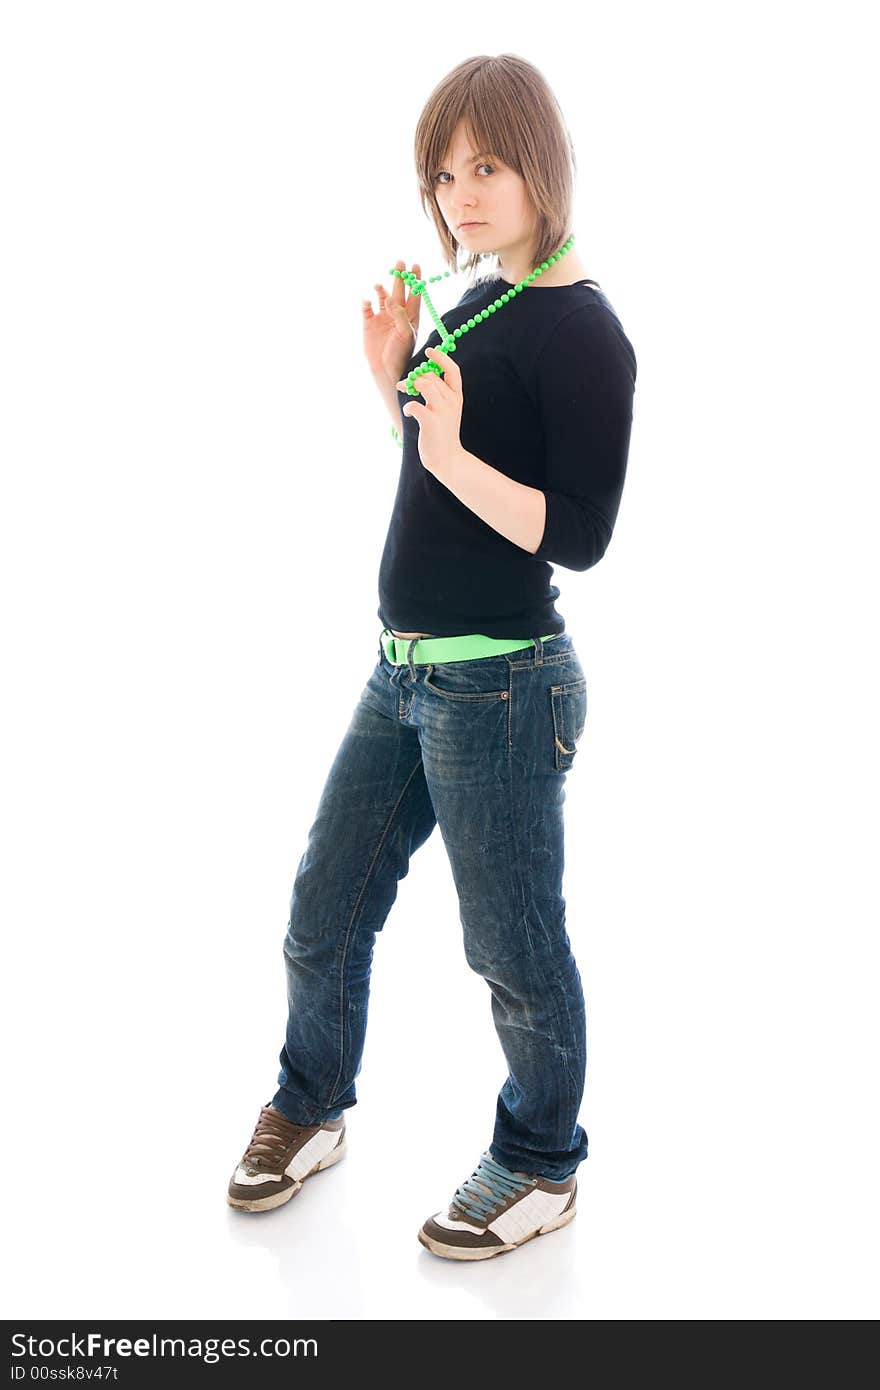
[{"x": 482, "y": 748}]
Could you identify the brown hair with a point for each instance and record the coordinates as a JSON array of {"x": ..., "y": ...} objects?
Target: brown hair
[{"x": 510, "y": 111}]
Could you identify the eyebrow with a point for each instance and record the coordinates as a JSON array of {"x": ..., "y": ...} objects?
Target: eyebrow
[{"x": 471, "y": 157}]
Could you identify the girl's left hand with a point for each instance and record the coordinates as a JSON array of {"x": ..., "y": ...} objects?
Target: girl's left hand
[{"x": 439, "y": 419}]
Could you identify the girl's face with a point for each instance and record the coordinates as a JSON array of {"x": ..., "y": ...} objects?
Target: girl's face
[{"x": 475, "y": 187}]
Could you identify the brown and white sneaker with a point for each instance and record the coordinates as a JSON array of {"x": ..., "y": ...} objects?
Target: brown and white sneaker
[
  {"x": 496, "y": 1210},
  {"x": 279, "y": 1158}
]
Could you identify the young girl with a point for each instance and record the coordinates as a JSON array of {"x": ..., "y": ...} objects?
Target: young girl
[{"x": 514, "y": 461}]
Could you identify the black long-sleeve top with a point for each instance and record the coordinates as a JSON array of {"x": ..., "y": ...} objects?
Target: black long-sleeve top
[{"x": 548, "y": 382}]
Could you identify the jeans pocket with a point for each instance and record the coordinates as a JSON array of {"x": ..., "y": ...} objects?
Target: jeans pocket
[
  {"x": 569, "y": 707},
  {"x": 470, "y": 681}
]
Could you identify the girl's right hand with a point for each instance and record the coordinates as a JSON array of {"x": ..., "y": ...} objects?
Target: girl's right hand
[{"x": 390, "y": 334}]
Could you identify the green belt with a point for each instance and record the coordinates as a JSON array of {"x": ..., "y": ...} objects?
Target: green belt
[{"x": 436, "y": 649}]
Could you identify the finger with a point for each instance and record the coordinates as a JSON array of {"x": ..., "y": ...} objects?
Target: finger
[
  {"x": 402, "y": 386},
  {"x": 414, "y": 303},
  {"x": 440, "y": 358},
  {"x": 451, "y": 371},
  {"x": 398, "y": 290},
  {"x": 400, "y": 286},
  {"x": 403, "y": 324},
  {"x": 443, "y": 359},
  {"x": 430, "y": 385},
  {"x": 425, "y": 383}
]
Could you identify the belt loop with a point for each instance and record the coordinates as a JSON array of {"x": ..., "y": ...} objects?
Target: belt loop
[
  {"x": 539, "y": 651},
  {"x": 412, "y": 669}
]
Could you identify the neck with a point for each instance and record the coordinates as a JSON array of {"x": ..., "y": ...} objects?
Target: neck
[{"x": 565, "y": 271}]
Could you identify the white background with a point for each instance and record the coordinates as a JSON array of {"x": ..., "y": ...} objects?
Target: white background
[{"x": 197, "y": 480}]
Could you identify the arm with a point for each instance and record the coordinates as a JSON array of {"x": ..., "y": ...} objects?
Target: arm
[
  {"x": 586, "y": 377},
  {"x": 509, "y": 507},
  {"x": 585, "y": 383},
  {"x": 388, "y": 391}
]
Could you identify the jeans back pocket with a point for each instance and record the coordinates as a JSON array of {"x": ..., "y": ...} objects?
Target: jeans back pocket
[{"x": 569, "y": 706}]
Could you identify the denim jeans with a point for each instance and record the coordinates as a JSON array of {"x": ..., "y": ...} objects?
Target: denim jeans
[{"x": 482, "y": 748}]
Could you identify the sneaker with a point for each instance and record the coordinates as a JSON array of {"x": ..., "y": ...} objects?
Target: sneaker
[
  {"x": 496, "y": 1210},
  {"x": 279, "y": 1158}
]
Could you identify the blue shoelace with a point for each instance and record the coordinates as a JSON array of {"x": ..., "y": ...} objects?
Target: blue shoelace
[{"x": 501, "y": 1182}]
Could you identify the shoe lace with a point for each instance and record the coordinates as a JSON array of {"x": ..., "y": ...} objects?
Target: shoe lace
[
  {"x": 488, "y": 1187},
  {"x": 270, "y": 1140}
]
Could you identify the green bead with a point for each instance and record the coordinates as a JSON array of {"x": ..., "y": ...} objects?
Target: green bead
[{"x": 458, "y": 332}]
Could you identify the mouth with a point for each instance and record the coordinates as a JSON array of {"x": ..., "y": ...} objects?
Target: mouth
[{"x": 463, "y": 226}]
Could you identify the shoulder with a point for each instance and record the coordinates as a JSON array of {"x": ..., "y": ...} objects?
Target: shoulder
[{"x": 586, "y": 333}]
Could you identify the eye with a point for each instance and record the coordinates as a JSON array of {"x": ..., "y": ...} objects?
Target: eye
[{"x": 479, "y": 166}]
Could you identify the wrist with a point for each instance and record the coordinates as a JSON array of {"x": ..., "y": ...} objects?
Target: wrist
[{"x": 453, "y": 466}]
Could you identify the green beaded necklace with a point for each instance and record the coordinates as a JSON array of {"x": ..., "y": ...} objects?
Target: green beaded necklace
[{"x": 447, "y": 339}]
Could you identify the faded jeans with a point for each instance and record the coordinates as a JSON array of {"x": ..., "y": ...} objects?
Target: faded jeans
[{"x": 482, "y": 748}]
